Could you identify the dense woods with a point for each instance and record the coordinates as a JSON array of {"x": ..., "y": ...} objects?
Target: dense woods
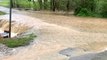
[{"x": 96, "y": 8}]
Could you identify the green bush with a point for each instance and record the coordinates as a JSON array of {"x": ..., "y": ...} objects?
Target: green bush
[
  {"x": 101, "y": 8},
  {"x": 85, "y": 8},
  {"x": 83, "y": 12},
  {"x": 94, "y": 8},
  {"x": 16, "y": 42}
]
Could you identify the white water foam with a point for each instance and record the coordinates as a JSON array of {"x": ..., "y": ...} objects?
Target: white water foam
[{"x": 12, "y": 34}]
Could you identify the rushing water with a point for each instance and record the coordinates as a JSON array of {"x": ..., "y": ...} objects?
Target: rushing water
[{"x": 17, "y": 28}]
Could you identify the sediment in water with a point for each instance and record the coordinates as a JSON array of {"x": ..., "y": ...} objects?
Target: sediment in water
[{"x": 16, "y": 28}]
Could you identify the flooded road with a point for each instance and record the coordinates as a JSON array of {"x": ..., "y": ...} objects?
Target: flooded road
[
  {"x": 3, "y": 9},
  {"x": 52, "y": 38}
]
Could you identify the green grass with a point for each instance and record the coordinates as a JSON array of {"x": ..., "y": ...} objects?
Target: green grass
[
  {"x": 2, "y": 13},
  {"x": 4, "y": 3},
  {"x": 17, "y": 42}
]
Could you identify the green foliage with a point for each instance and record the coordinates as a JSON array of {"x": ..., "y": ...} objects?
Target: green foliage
[
  {"x": 83, "y": 12},
  {"x": 23, "y": 4},
  {"x": 96, "y": 8},
  {"x": 101, "y": 8},
  {"x": 62, "y": 5},
  {"x": 4, "y": 3},
  {"x": 85, "y": 8},
  {"x": 35, "y": 6},
  {"x": 46, "y": 5},
  {"x": 16, "y": 42},
  {"x": 2, "y": 13}
]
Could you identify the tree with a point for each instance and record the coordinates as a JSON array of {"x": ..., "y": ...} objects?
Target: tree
[
  {"x": 68, "y": 5},
  {"x": 40, "y": 4},
  {"x": 45, "y": 4},
  {"x": 52, "y": 2}
]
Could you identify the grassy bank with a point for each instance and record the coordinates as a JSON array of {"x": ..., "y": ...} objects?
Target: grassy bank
[
  {"x": 17, "y": 42},
  {"x": 4, "y": 3},
  {"x": 2, "y": 13}
]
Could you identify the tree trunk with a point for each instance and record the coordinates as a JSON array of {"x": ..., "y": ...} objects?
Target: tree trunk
[
  {"x": 68, "y": 5},
  {"x": 53, "y": 8}
]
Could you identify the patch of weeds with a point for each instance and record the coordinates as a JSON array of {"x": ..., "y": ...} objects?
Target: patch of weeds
[{"x": 17, "y": 42}]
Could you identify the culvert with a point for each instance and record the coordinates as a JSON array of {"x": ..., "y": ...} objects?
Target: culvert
[{"x": 16, "y": 28}]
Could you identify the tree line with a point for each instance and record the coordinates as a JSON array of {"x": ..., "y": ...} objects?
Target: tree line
[{"x": 80, "y": 7}]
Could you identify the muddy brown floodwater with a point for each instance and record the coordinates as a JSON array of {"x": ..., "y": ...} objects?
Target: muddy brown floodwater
[
  {"x": 85, "y": 24},
  {"x": 58, "y": 32}
]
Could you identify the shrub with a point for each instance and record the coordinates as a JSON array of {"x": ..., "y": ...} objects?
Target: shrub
[
  {"x": 83, "y": 12},
  {"x": 85, "y": 8},
  {"x": 94, "y": 8},
  {"x": 101, "y": 8}
]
